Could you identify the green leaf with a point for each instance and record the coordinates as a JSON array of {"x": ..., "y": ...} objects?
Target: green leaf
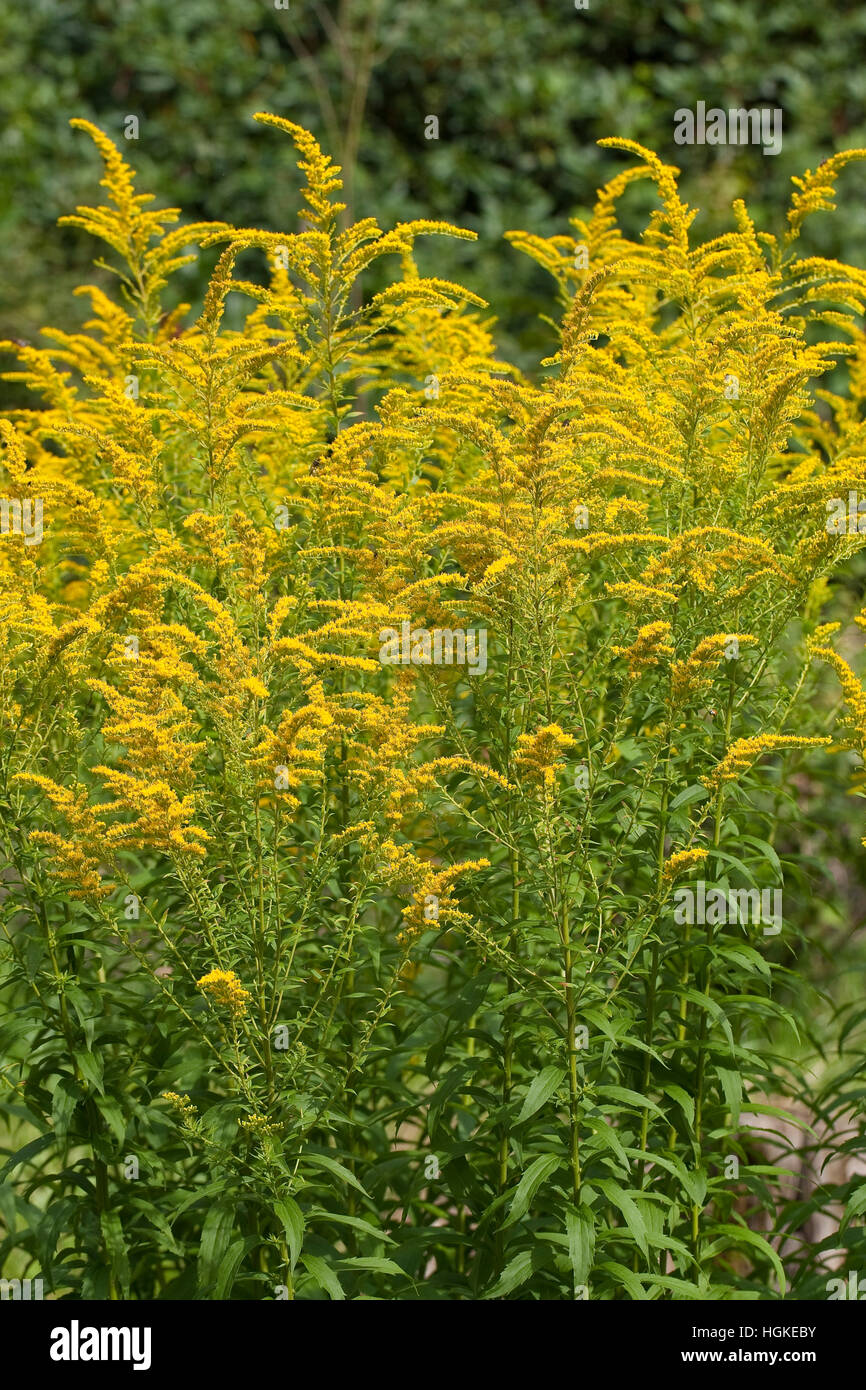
[
  {"x": 84, "y": 1009},
  {"x": 732, "y": 1235},
  {"x": 90, "y": 1067},
  {"x": 707, "y": 1002},
  {"x": 228, "y": 1268},
  {"x": 323, "y": 1275},
  {"x": 515, "y": 1273},
  {"x": 538, "y": 1172},
  {"x": 607, "y": 1136},
  {"x": 747, "y": 957},
  {"x": 215, "y": 1236},
  {"x": 740, "y": 864},
  {"x": 695, "y": 1183},
  {"x": 629, "y": 1098},
  {"x": 292, "y": 1218},
  {"x": 787, "y": 1115},
  {"x": 683, "y": 1100},
  {"x": 356, "y": 1222},
  {"x": 856, "y": 1204},
  {"x": 332, "y": 1166},
  {"x": 379, "y": 1263},
  {"x": 689, "y": 1292},
  {"x": 580, "y": 1227},
  {"x": 732, "y": 1085},
  {"x": 115, "y": 1245},
  {"x": 696, "y": 792},
  {"x": 64, "y": 1101},
  {"x": 156, "y": 1219},
  {"x": 766, "y": 851},
  {"x": 113, "y": 1116},
  {"x": 630, "y": 1282},
  {"x": 633, "y": 1218},
  {"x": 542, "y": 1088},
  {"x": 29, "y": 1151}
]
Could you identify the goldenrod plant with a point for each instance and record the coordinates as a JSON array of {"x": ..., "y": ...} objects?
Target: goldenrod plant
[{"x": 393, "y": 752}]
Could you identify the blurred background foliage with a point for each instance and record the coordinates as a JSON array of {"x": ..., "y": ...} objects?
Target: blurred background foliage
[{"x": 522, "y": 92}]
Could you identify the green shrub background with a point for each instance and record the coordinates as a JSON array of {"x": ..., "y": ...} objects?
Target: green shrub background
[{"x": 522, "y": 90}]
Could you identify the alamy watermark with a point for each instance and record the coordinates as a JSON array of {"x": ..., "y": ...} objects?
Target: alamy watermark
[
  {"x": 77, "y": 1343},
  {"x": 22, "y": 518},
  {"x": 740, "y": 126},
  {"x": 840, "y": 1289},
  {"x": 441, "y": 646},
  {"x": 21, "y": 1289},
  {"x": 846, "y": 520},
  {"x": 710, "y": 906}
]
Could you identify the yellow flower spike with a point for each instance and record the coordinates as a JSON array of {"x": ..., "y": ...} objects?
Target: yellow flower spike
[
  {"x": 852, "y": 691},
  {"x": 822, "y": 634},
  {"x": 814, "y": 191},
  {"x": 223, "y": 546},
  {"x": 680, "y": 862},
  {"x": 432, "y": 904},
  {"x": 743, "y": 752},
  {"x": 77, "y": 859},
  {"x": 648, "y": 648},
  {"x": 640, "y": 596},
  {"x": 255, "y": 687},
  {"x": 182, "y": 1105},
  {"x": 323, "y": 176},
  {"x": 225, "y": 989},
  {"x": 538, "y": 755},
  {"x": 259, "y": 1126},
  {"x": 692, "y": 674}
]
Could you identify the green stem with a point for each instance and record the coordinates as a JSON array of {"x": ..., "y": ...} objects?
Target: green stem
[
  {"x": 707, "y": 985},
  {"x": 570, "y": 1016}
]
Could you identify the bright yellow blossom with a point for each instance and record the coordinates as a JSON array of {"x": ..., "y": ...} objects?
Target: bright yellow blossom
[{"x": 226, "y": 990}]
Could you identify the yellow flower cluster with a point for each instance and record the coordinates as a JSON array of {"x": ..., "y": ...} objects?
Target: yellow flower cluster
[
  {"x": 649, "y": 647},
  {"x": 852, "y": 691},
  {"x": 680, "y": 862},
  {"x": 689, "y": 676},
  {"x": 259, "y": 1126},
  {"x": 226, "y": 990},
  {"x": 182, "y": 1105},
  {"x": 432, "y": 904},
  {"x": 538, "y": 755},
  {"x": 236, "y": 506},
  {"x": 743, "y": 752},
  {"x": 78, "y": 856}
]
